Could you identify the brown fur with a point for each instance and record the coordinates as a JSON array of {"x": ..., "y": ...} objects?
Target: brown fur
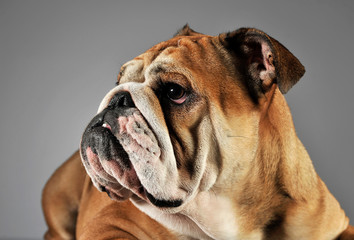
[
  {"x": 61, "y": 198},
  {"x": 273, "y": 188},
  {"x": 77, "y": 195}
]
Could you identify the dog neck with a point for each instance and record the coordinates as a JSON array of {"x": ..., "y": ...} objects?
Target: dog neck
[
  {"x": 280, "y": 174},
  {"x": 280, "y": 151},
  {"x": 260, "y": 194}
]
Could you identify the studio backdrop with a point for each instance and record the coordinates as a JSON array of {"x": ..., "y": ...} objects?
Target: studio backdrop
[{"x": 59, "y": 58}]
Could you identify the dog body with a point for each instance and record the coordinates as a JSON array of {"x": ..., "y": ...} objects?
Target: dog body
[{"x": 198, "y": 136}]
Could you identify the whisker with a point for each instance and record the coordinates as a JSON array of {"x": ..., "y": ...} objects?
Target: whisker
[{"x": 231, "y": 136}]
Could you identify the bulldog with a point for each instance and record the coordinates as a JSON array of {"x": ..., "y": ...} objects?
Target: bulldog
[{"x": 196, "y": 141}]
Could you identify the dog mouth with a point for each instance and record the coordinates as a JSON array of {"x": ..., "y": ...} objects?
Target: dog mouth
[{"x": 112, "y": 147}]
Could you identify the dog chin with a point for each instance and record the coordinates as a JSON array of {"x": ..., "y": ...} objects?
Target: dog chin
[{"x": 125, "y": 183}]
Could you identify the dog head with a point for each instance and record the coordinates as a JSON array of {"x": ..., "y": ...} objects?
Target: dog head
[{"x": 184, "y": 116}]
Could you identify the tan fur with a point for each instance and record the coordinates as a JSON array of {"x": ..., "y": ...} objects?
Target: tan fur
[
  {"x": 61, "y": 198},
  {"x": 259, "y": 181}
]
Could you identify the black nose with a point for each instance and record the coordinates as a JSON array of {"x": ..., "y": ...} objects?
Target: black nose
[{"x": 121, "y": 100}]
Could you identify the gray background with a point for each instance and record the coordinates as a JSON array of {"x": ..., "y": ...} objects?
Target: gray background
[{"x": 59, "y": 58}]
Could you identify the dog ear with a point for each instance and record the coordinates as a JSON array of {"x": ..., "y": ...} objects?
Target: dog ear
[
  {"x": 186, "y": 31},
  {"x": 265, "y": 59}
]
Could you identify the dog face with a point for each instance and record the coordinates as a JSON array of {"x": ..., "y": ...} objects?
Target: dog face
[{"x": 184, "y": 117}]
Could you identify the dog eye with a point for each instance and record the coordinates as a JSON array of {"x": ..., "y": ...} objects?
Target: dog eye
[{"x": 176, "y": 93}]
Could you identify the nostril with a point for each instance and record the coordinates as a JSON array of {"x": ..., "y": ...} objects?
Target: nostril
[
  {"x": 97, "y": 121},
  {"x": 122, "y": 100}
]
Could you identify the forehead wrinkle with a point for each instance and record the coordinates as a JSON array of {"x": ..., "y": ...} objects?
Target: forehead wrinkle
[
  {"x": 167, "y": 64},
  {"x": 132, "y": 70},
  {"x": 169, "y": 46},
  {"x": 166, "y": 54}
]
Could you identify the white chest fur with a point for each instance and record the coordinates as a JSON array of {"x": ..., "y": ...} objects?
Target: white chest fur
[{"x": 207, "y": 216}]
